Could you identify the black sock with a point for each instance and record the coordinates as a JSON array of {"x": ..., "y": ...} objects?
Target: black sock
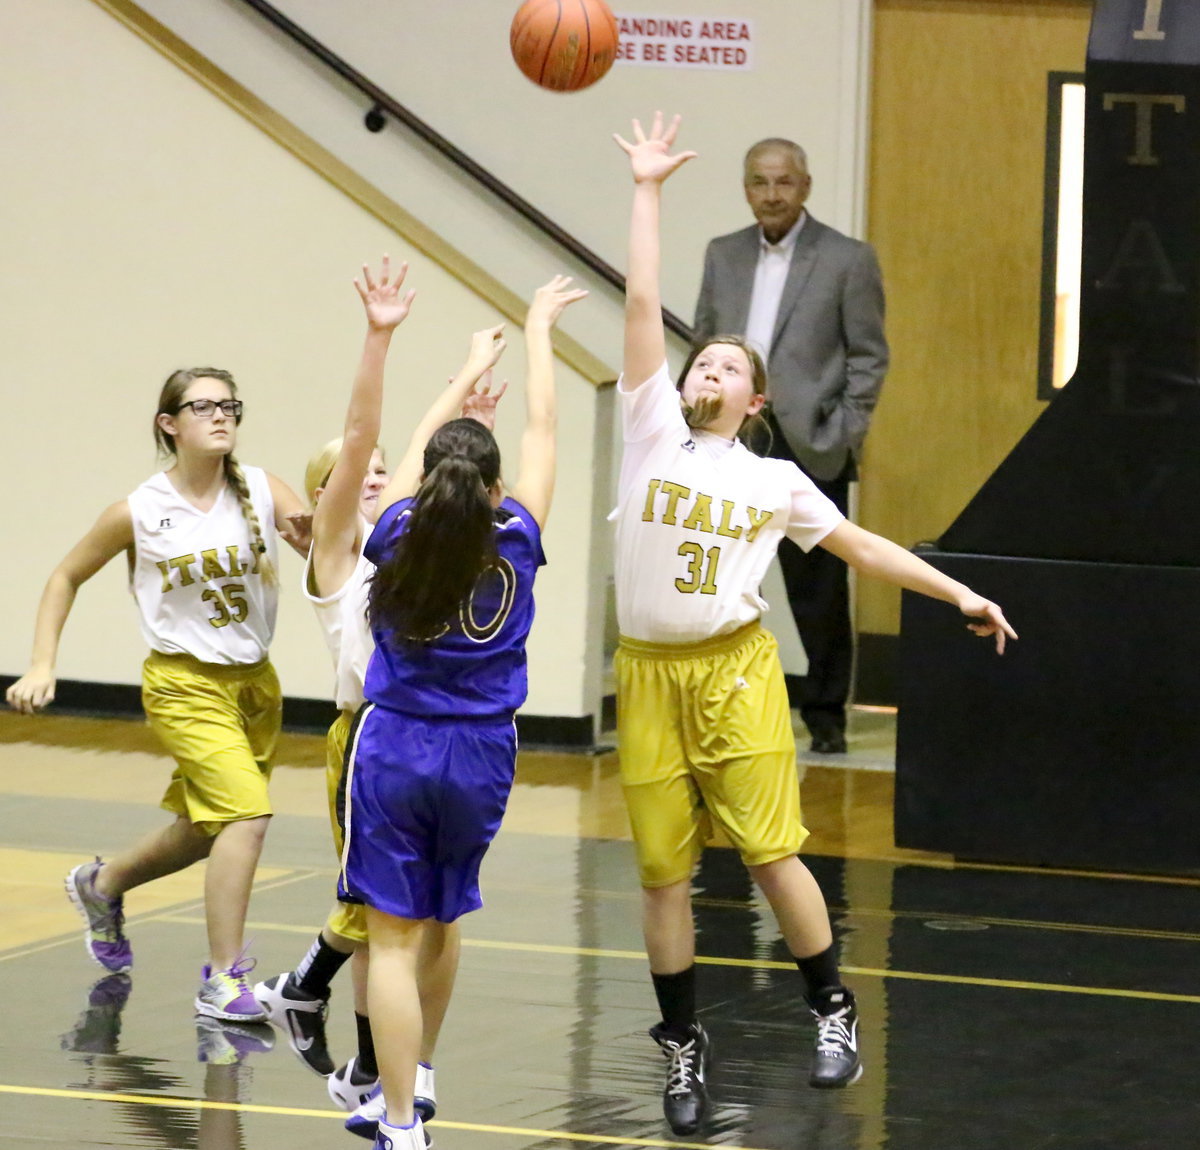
[
  {"x": 821, "y": 976},
  {"x": 319, "y": 965},
  {"x": 676, "y": 995},
  {"x": 365, "y": 1066}
]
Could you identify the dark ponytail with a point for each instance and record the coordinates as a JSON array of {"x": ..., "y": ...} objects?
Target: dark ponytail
[{"x": 449, "y": 541}]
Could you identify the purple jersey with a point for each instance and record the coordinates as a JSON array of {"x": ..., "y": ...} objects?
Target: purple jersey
[{"x": 477, "y": 666}]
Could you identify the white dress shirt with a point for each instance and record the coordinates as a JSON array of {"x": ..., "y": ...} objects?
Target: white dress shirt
[{"x": 770, "y": 275}]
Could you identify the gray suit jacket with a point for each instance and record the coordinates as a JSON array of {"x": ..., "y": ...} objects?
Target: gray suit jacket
[{"x": 828, "y": 355}]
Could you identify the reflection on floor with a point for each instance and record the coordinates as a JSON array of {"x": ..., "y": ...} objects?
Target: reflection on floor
[{"x": 1002, "y": 1007}]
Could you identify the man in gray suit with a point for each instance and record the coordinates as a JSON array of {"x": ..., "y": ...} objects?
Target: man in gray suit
[{"x": 811, "y": 300}]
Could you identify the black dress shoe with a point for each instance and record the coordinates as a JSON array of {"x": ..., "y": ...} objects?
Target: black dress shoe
[{"x": 831, "y": 744}]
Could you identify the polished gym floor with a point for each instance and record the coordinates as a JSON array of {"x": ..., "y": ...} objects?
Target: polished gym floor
[{"x": 1003, "y": 1008}]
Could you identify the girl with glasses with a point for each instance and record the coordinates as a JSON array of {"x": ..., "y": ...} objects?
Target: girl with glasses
[{"x": 200, "y": 540}]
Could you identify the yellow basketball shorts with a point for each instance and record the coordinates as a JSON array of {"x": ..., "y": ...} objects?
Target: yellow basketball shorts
[
  {"x": 220, "y": 724},
  {"x": 347, "y": 919},
  {"x": 705, "y": 733}
]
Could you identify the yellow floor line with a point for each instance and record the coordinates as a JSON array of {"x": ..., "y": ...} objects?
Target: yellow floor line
[
  {"x": 852, "y": 912},
  {"x": 296, "y": 1112},
  {"x": 771, "y": 964}
]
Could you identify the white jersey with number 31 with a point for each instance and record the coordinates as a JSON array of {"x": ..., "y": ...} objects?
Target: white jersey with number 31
[
  {"x": 699, "y": 519},
  {"x": 194, "y": 573}
]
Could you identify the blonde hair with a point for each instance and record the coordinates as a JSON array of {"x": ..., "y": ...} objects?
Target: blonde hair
[
  {"x": 320, "y": 467},
  {"x": 170, "y": 401}
]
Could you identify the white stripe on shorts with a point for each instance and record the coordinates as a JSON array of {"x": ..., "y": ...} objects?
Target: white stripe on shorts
[{"x": 348, "y": 783}]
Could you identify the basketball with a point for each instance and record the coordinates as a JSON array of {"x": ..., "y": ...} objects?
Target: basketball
[{"x": 564, "y": 45}]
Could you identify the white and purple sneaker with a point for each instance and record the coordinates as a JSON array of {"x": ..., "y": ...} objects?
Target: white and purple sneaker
[
  {"x": 364, "y": 1121},
  {"x": 226, "y": 995},
  {"x": 412, "y": 1137},
  {"x": 105, "y": 939},
  {"x": 424, "y": 1094}
]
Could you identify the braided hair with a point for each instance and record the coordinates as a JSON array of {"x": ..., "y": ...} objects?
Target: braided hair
[{"x": 170, "y": 400}]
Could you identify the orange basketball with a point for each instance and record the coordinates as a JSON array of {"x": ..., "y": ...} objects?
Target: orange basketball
[{"x": 564, "y": 45}]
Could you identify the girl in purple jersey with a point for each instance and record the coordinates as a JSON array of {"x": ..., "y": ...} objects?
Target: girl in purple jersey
[
  {"x": 343, "y": 482},
  {"x": 432, "y": 753}
]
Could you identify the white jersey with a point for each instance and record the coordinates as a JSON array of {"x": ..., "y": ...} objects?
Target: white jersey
[
  {"x": 699, "y": 519},
  {"x": 343, "y": 619},
  {"x": 194, "y": 574}
]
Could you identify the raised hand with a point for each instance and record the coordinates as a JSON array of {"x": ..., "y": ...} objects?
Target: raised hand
[
  {"x": 550, "y": 300},
  {"x": 480, "y": 405},
  {"x": 487, "y": 346},
  {"x": 386, "y": 307},
  {"x": 650, "y": 155}
]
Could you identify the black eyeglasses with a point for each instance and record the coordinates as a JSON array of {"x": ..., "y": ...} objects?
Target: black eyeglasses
[{"x": 206, "y": 408}]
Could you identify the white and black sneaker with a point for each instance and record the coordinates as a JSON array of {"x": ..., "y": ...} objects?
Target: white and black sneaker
[
  {"x": 835, "y": 1060},
  {"x": 301, "y": 1016},
  {"x": 349, "y": 1087},
  {"x": 685, "y": 1096}
]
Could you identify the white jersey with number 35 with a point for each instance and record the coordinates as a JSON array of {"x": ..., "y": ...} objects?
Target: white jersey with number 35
[
  {"x": 194, "y": 574},
  {"x": 699, "y": 519}
]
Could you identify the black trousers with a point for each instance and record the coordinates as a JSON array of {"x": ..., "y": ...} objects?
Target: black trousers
[{"x": 818, "y": 591}]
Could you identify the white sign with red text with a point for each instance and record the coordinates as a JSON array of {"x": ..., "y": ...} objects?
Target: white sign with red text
[{"x": 685, "y": 42}]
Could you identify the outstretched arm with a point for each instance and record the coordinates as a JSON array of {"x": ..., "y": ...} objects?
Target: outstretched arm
[
  {"x": 874, "y": 555},
  {"x": 336, "y": 521},
  {"x": 651, "y": 163},
  {"x": 486, "y": 348},
  {"x": 111, "y": 534},
  {"x": 534, "y": 488}
]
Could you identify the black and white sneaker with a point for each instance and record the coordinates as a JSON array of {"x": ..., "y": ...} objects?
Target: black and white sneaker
[
  {"x": 685, "y": 1096},
  {"x": 349, "y": 1088},
  {"x": 301, "y": 1016},
  {"x": 835, "y": 1060}
]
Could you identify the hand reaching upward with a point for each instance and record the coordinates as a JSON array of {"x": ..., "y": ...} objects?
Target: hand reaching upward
[
  {"x": 386, "y": 307},
  {"x": 650, "y": 155},
  {"x": 551, "y": 299}
]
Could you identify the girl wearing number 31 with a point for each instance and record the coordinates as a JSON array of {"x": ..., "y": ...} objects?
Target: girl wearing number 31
[{"x": 702, "y": 712}]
